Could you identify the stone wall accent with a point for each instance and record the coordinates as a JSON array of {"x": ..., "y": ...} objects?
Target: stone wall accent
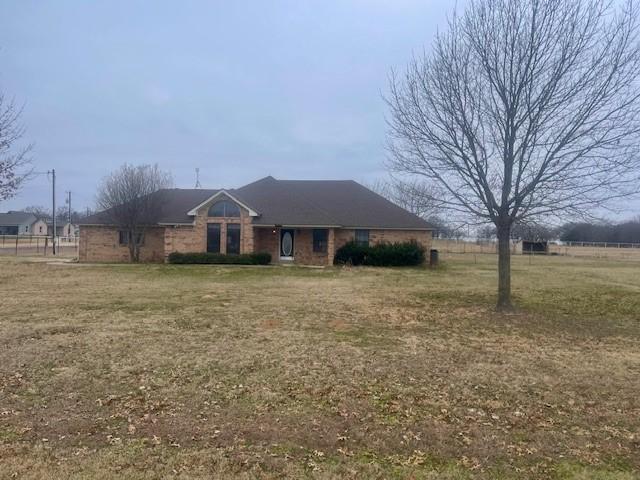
[{"x": 101, "y": 244}]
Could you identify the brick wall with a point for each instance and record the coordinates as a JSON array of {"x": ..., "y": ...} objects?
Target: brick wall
[
  {"x": 194, "y": 238},
  {"x": 267, "y": 240},
  {"x": 303, "y": 249},
  {"x": 183, "y": 238},
  {"x": 423, "y": 237},
  {"x": 101, "y": 244}
]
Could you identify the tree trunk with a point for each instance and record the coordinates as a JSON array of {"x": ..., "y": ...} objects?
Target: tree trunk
[
  {"x": 132, "y": 248},
  {"x": 504, "y": 268}
]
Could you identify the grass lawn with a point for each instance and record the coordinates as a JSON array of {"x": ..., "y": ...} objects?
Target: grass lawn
[{"x": 155, "y": 371}]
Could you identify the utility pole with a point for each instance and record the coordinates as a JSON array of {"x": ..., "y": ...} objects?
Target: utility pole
[
  {"x": 53, "y": 234},
  {"x": 69, "y": 207}
]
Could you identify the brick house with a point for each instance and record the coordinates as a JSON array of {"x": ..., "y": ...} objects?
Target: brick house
[{"x": 297, "y": 221}]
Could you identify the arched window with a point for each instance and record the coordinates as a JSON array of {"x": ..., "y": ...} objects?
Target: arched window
[{"x": 224, "y": 208}]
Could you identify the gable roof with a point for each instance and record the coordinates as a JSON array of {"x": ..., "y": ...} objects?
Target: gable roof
[
  {"x": 223, "y": 193},
  {"x": 17, "y": 218},
  {"x": 319, "y": 203}
]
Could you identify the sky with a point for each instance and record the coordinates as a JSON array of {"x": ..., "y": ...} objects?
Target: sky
[{"x": 238, "y": 89}]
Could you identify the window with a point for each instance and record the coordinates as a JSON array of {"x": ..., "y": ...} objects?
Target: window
[
  {"x": 233, "y": 238},
  {"x": 362, "y": 237},
  {"x": 224, "y": 208},
  {"x": 123, "y": 237},
  {"x": 213, "y": 237},
  {"x": 320, "y": 236}
]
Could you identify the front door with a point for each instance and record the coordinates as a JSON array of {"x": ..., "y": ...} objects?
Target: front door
[{"x": 286, "y": 242}]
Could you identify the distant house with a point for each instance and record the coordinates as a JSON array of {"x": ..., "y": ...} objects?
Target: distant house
[
  {"x": 70, "y": 230},
  {"x": 296, "y": 221},
  {"x": 21, "y": 223},
  {"x": 66, "y": 230}
]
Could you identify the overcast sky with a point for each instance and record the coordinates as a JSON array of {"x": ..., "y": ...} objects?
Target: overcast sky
[{"x": 239, "y": 89}]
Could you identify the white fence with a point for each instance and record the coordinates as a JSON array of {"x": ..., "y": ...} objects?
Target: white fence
[{"x": 620, "y": 251}]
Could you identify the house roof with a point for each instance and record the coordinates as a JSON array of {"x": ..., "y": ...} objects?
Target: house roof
[
  {"x": 17, "y": 218},
  {"x": 175, "y": 203},
  {"x": 327, "y": 203}
]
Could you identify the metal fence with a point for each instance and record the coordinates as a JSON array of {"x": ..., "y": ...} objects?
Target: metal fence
[
  {"x": 626, "y": 251},
  {"x": 30, "y": 245},
  {"x": 600, "y": 244},
  {"x": 454, "y": 245}
]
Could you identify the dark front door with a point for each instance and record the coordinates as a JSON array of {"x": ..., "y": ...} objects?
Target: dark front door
[
  {"x": 286, "y": 242},
  {"x": 213, "y": 237},
  {"x": 233, "y": 238}
]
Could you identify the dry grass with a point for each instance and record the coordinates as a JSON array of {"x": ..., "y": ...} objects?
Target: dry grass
[{"x": 209, "y": 372}]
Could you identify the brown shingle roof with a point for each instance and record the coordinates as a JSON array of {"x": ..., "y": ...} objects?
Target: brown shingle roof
[
  {"x": 176, "y": 202},
  {"x": 342, "y": 203}
]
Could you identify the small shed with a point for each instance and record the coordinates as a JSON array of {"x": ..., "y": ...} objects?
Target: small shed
[{"x": 535, "y": 247}]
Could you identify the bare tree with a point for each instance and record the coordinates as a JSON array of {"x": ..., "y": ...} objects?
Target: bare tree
[
  {"x": 39, "y": 211},
  {"x": 62, "y": 213},
  {"x": 533, "y": 231},
  {"x": 523, "y": 109},
  {"x": 132, "y": 200},
  {"x": 14, "y": 160},
  {"x": 414, "y": 196},
  {"x": 418, "y": 197}
]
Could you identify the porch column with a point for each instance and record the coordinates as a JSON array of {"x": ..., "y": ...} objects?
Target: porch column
[
  {"x": 331, "y": 246},
  {"x": 247, "y": 235}
]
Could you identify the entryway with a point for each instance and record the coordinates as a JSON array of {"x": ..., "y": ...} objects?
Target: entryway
[{"x": 287, "y": 237}]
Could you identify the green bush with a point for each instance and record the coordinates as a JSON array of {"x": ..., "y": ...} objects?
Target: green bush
[
  {"x": 219, "y": 258},
  {"x": 351, "y": 253},
  {"x": 403, "y": 254}
]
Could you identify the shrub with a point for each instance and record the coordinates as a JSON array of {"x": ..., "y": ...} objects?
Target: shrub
[
  {"x": 351, "y": 253},
  {"x": 219, "y": 258},
  {"x": 403, "y": 254}
]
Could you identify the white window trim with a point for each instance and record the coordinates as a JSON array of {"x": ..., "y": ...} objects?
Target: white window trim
[{"x": 252, "y": 212}]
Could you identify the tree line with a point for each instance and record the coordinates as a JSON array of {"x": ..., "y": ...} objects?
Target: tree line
[
  {"x": 596, "y": 232},
  {"x": 625, "y": 232}
]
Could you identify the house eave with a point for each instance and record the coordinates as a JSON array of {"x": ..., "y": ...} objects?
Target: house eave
[
  {"x": 360, "y": 227},
  {"x": 287, "y": 225},
  {"x": 347, "y": 227}
]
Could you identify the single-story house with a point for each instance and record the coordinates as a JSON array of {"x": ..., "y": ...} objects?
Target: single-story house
[
  {"x": 297, "y": 221},
  {"x": 21, "y": 223},
  {"x": 63, "y": 229}
]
